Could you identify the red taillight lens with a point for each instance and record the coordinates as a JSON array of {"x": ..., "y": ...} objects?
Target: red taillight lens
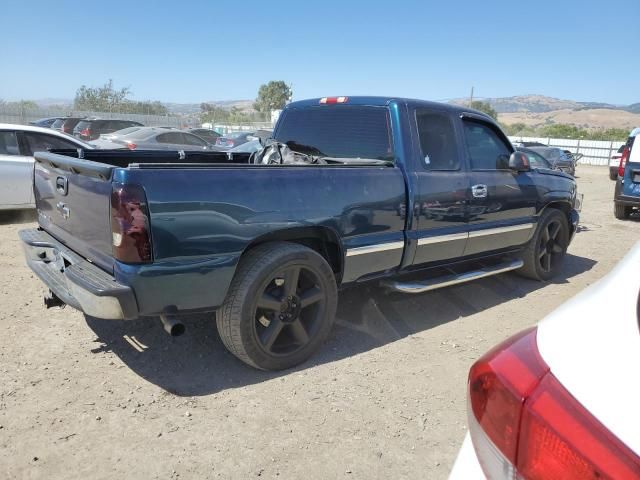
[
  {"x": 525, "y": 424},
  {"x": 86, "y": 132},
  {"x": 332, "y": 100},
  {"x": 131, "y": 146},
  {"x": 130, "y": 231},
  {"x": 623, "y": 161},
  {"x": 498, "y": 386}
]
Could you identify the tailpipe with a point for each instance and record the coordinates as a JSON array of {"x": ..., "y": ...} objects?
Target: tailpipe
[
  {"x": 172, "y": 325},
  {"x": 52, "y": 300}
]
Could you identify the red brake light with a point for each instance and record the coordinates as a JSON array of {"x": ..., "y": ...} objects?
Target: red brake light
[
  {"x": 525, "y": 424},
  {"x": 623, "y": 161},
  {"x": 130, "y": 230},
  {"x": 131, "y": 146},
  {"x": 330, "y": 100}
]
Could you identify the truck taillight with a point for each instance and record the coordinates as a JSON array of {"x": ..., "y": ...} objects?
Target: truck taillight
[
  {"x": 524, "y": 424},
  {"x": 332, "y": 100},
  {"x": 130, "y": 232},
  {"x": 623, "y": 161}
]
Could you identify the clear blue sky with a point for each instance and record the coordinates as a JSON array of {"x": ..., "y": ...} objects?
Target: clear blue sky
[{"x": 192, "y": 51}]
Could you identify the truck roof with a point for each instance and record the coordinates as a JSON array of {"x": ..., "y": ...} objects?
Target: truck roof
[{"x": 384, "y": 101}]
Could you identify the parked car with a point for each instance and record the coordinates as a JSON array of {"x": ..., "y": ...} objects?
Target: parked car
[
  {"x": 267, "y": 246},
  {"x": 207, "y": 134},
  {"x": 45, "y": 122},
  {"x": 124, "y": 132},
  {"x": 66, "y": 125},
  {"x": 91, "y": 129},
  {"x": 233, "y": 139},
  {"x": 626, "y": 195},
  {"x": 17, "y": 146},
  {"x": 535, "y": 159},
  {"x": 561, "y": 400},
  {"x": 247, "y": 147},
  {"x": 614, "y": 162},
  {"x": 558, "y": 158},
  {"x": 157, "y": 138}
]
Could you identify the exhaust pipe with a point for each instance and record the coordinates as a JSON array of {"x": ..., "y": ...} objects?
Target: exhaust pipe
[
  {"x": 52, "y": 300},
  {"x": 172, "y": 325}
]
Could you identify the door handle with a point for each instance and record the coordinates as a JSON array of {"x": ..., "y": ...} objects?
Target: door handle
[
  {"x": 62, "y": 185},
  {"x": 479, "y": 191}
]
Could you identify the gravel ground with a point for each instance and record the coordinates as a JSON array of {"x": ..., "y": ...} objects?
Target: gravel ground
[{"x": 385, "y": 398}]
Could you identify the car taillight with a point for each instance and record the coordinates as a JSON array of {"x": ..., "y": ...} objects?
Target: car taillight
[
  {"x": 524, "y": 424},
  {"x": 623, "y": 161},
  {"x": 131, "y": 146},
  {"x": 86, "y": 132},
  {"x": 130, "y": 232}
]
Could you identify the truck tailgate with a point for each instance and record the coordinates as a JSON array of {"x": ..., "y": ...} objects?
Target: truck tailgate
[{"x": 73, "y": 201}]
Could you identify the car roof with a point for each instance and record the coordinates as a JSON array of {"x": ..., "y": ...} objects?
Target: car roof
[
  {"x": 386, "y": 101},
  {"x": 48, "y": 131}
]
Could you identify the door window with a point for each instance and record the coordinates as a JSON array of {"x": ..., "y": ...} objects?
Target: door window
[
  {"x": 41, "y": 142},
  {"x": 172, "y": 137},
  {"x": 487, "y": 150},
  {"x": 437, "y": 141},
  {"x": 9, "y": 144},
  {"x": 193, "y": 140}
]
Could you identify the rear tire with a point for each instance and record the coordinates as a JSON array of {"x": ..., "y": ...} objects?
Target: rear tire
[
  {"x": 621, "y": 212},
  {"x": 280, "y": 306},
  {"x": 545, "y": 253}
]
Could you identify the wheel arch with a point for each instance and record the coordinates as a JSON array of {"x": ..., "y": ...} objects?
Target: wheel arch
[{"x": 323, "y": 240}]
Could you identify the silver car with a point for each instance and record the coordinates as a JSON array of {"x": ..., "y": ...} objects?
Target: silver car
[{"x": 156, "y": 138}]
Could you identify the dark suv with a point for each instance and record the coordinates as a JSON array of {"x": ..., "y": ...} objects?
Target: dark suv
[
  {"x": 91, "y": 129},
  {"x": 66, "y": 125}
]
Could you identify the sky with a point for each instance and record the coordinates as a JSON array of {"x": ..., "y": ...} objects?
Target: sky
[{"x": 199, "y": 50}]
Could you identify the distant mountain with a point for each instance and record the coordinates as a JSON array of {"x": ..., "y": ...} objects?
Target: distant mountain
[{"x": 541, "y": 103}]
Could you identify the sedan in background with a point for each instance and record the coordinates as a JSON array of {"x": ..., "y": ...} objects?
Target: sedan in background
[
  {"x": 17, "y": 146},
  {"x": 558, "y": 158},
  {"x": 66, "y": 125},
  {"x": 233, "y": 139},
  {"x": 560, "y": 401},
  {"x": 157, "y": 138},
  {"x": 91, "y": 128},
  {"x": 45, "y": 122},
  {"x": 207, "y": 134},
  {"x": 535, "y": 159}
]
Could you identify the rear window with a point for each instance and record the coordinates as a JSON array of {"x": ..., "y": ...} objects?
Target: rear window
[
  {"x": 58, "y": 123},
  {"x": 82, "y": 125},
  {"x": 339, "y": 131}
]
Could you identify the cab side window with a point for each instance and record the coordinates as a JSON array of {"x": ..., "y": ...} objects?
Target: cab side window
[
  {"x": 41, "y": 142},
  {"x": 9, "y": 143},
  {"x": 437, "y": 141},
  {"x": 487, "y": 151}
]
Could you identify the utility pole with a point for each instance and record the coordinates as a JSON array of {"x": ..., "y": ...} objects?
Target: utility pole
[{"x": 471, "y": 97}]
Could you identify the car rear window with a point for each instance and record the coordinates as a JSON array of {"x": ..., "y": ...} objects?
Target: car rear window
[
  {"x": 58, "y": 123},
  {"x": 82, "y": 124},
  {"x": 343, "y": 131}
]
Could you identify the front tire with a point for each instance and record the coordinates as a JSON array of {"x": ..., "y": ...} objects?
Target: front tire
[
  {"x": 545, "y": 253},
  {"x": 280, "y": 306}
]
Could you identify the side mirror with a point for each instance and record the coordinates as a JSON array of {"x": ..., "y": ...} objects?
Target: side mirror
[{"x": 519, "y": 162}]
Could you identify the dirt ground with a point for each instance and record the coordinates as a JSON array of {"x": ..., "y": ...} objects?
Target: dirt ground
[{"x": 385, "y": 398}]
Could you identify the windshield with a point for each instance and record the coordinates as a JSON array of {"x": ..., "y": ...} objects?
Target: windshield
[{"x": 340, "y": 131}]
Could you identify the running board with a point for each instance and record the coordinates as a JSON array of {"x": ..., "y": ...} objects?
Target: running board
[{"x": 448, "y": 280}]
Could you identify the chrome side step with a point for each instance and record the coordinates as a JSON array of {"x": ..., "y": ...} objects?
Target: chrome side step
[{"x": 448, "y": 280}]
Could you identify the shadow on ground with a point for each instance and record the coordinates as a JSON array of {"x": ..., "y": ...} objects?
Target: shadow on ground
[
  {"x": 18, "y": 217},
  {"x": 198, "y": 364}
]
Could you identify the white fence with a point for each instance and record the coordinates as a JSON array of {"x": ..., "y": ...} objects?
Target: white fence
[{"x": 595, "y": 152}]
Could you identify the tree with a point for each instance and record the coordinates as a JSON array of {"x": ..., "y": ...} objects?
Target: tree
[
  {"x": 108, "y": 99},
  {"x": 484, "y": 107},
  {"x": 272, "y": 96}
]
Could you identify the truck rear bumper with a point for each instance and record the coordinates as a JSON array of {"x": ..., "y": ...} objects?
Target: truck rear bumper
[{"x": 77, "y": 282}]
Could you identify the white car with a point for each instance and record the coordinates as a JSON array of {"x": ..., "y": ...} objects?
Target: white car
[
  {"x": 562, "y": 400},
  {"x": 17, "y": 145}
]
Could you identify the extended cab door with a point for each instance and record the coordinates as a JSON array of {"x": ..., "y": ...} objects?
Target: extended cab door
[
  {"x": 16, "y": 167},
  {"x": 502, "y": 203},
  {"x": 442, "y": 188}
]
